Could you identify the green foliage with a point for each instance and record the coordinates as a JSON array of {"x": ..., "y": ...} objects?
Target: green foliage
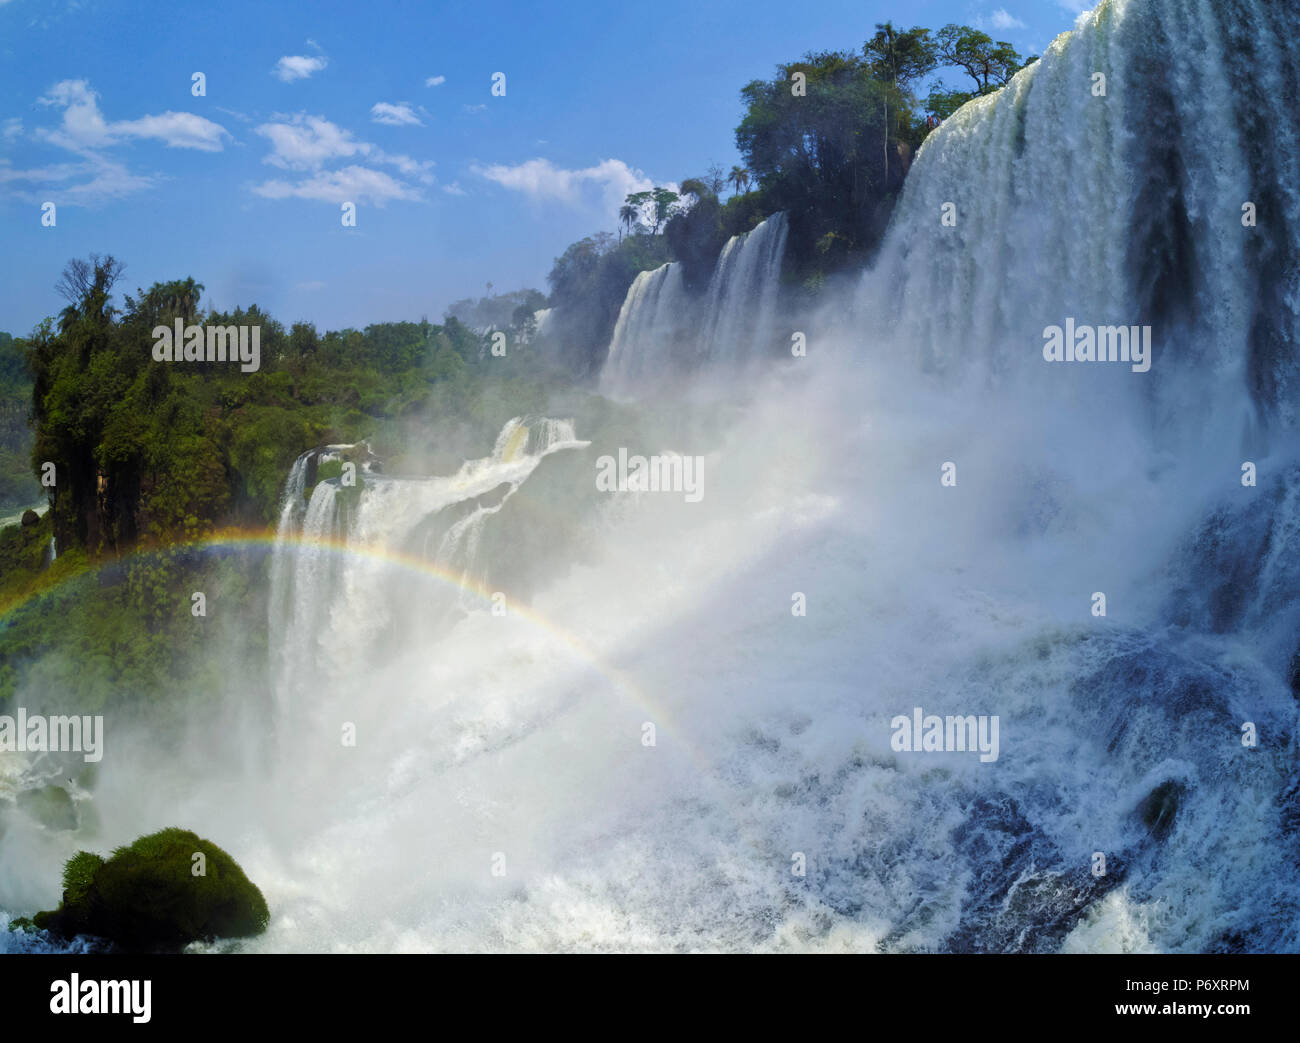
[
  {"x": 900, "y": 56},
  {"x": 990, "y": 64},
  {"x": 163, "y": 452},
  {"x": 79, "y": 875},
  {"x": 17, "y": 485},
  {"x": 147, "y": 895},
  {"x": 830, "y": 158}
]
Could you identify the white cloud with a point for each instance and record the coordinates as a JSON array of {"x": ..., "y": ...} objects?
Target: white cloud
[
  {"x": 92, "y": 180},
  {"x": 1003, "y": 20},
  {"x": 84, "y": 128},
  {"x": 399, "y": 115},
  {"x": 406, "y": 165},
  {"x": 475, "y": 108},
  {"x": 350, "y": 184},
  {"x": 609, "y": 181},
  {"x": 176, "y": 130},
  {"x": 311, "y": 143},
  {"x": 298, "y": 66},
  {"x": 13, "y": 128},
  {"x": 454, "y": 189},
  {"x": 305, "y": 142},
  {"x": 434, "y": 81}
]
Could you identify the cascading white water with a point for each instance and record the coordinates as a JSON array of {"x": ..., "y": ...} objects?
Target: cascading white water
[
  {"x": 650, "y": 327},
  {"x": 340, "y": 551},
  {"x": 663, "y": 331},
  {"x": 742, "y": 293},
  {"x": 1145, "y": 171}
]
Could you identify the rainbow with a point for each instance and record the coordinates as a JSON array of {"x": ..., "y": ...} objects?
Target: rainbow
[{"x": 271, "y": 541}]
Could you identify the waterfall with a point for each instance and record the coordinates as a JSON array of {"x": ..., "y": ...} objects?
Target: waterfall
[
  {"x": 347, "y": 546},
  {"x": 1144, "y": 173},
  {"x": 663, "y": 331},
  {"x": 649, "y": 326},
  {"x": 1171, "y": 200},
  {"x": 741, "y": 298}
]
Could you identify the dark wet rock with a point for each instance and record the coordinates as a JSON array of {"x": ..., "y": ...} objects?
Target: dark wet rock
[{"x": 1159, "y": 808}]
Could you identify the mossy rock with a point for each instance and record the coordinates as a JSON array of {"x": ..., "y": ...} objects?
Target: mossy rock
[
  {"x": 333, "y": 469},
  {"x": 147, "y": 896},
  {"x": 1159, "y": 808},
  {"x": 50, "y": 806}
]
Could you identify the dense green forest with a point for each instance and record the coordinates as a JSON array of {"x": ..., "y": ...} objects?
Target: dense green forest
[{"x": 147, "y": 459}]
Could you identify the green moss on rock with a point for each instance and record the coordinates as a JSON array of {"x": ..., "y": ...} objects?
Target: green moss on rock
[{"x": 148, "y": 896}]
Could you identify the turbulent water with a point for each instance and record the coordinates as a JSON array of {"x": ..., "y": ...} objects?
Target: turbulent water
[{"x": 639, "y": 744}]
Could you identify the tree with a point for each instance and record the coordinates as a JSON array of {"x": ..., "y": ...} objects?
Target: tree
[
  {"x": 900, "y": 56},
  {"x": 663, "y": 202},
  {"x": 697, "y": 187},
  {"x": 660, "y": 202},
  {"x": 990, "y": 64},
  {"x": 86, "y": 286},
  {"x": 739, "y": 178},
  {"x": 715, "y": 178},
  {"x": 164, "y": 302},
  {"x": 824, "y": 157},
  {"x": 629, "y": 214}
]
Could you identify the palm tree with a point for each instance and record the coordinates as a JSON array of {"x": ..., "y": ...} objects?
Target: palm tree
[
  {"x": 628, "y": 215},
  {"x": 739, "y": 177},
  {"x": 181, "y": 298}
]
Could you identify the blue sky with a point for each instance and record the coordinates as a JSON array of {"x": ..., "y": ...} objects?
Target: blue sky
[{"x": 389, "y": 105}]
